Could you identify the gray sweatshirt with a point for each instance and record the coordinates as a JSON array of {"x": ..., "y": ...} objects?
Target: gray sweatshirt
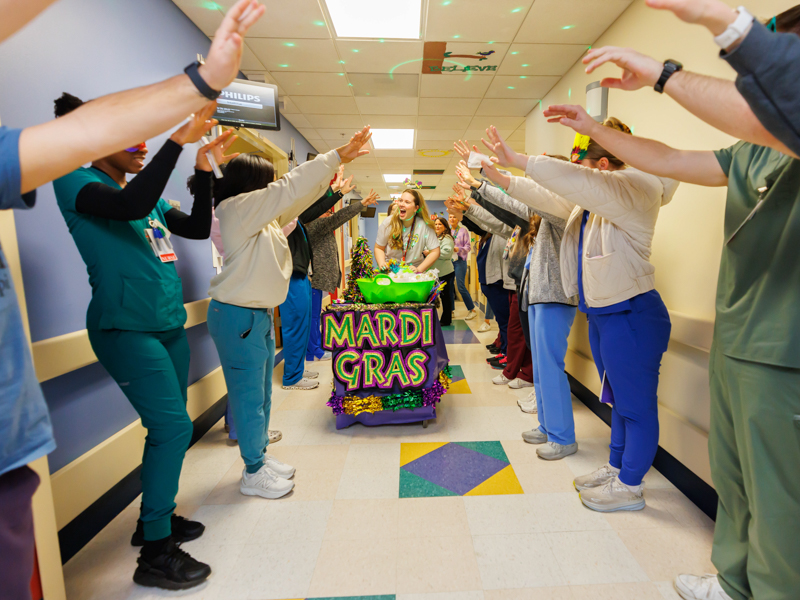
[{"x": 500, "y": 232}]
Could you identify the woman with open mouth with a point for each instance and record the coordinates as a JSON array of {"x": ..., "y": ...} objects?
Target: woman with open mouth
[{"x": 408, "y": 233}]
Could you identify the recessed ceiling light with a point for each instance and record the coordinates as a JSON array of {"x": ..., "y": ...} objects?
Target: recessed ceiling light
[
  {"x": 376, "y": 19},
  {"x": 396, "y": 178},
  {"x": 393, "y": 139}
]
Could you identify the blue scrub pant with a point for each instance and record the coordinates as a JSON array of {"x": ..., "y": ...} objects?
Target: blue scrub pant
[
  {"x": 497, "y": 297},
  {"x": 314, "y": 349},
  {"x": 247, "y": 363},
  {"x": 152, "y": 370},
  {"x": 295, "y": 328},
  {"x": 550, "y": 325},
  {"x": 628, "y": 346},
  {"x": 461, "y": 281}
]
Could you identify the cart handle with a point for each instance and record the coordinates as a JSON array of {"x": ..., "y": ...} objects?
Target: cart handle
[{"x": 383, "y": 279}]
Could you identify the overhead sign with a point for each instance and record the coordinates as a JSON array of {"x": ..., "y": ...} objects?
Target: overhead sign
[{"x": 437, "y": 60}]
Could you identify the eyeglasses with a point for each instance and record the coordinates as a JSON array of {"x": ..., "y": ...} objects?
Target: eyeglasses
[{"x": 142, "y": 146}]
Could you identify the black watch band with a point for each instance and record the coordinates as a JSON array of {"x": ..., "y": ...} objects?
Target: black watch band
[
  {"x": 200, "y": 83},
  {"x": 670, "y": 68}
]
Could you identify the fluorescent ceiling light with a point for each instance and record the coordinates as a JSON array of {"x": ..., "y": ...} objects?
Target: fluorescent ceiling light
[
  {"x": 395, "y": 19},
  {"x": 396, "y": 178},
  {"x": 393, "y": 139}
]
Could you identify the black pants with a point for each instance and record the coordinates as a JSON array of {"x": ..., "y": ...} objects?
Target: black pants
[{"x": 448, "y": 299}]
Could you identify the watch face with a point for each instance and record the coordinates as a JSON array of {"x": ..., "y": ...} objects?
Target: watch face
[{"x": 674, "y": 63}]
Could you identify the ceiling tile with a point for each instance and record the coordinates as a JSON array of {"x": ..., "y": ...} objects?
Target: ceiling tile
[
  {"x": 586, "y": 20},
  {"x": 300, "y": 19},
  {"x": 450, "y": 135},
  {"x": 439, "y": 86},
  {"x": 250, "y": 61},
  {"x": 435, "y": 145},
  {"x": 299, "y": 121},
  {"x": 289, "y": 107},
  {"x": 444, "y": 122},
  {"x": 380, "y": 57},
  {"x": 541, "y": 59},
  {"x": 313, "y": 84},
  {"x": 509, "y": 86},
  {"x": 391, "y": 122},
  {"x": 473, "y": 21},
  {"x": 517, "y": 136},
  {"x": 448, "y": 106},
  {"x": 335, "y": 121},
  {"x": 500, "y": 122},
  {"x": 326, "y": 105},
  {"x": 206, "y": 19},
  {"x": 296, "y": 55},
  {"x": 381, "y": 105},
  {"x": 393, "y": 153},
  {"x": 309, "y": 134},
  {"x": 321, "y": 146},
  {"x": 380, "y": 84},
  {"x": 475, "y": 135},
  {"x": 339, "y": 135},
  {"x": 518, "y": 107}
]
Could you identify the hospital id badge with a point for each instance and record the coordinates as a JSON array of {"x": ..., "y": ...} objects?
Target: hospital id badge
[{"x": 161, "y": 245}]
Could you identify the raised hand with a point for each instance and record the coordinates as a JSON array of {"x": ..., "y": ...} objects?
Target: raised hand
[
  {"x": 199, "y": 124},
  {"x": 353, "y": 149},
  {"x": 371, "y": 199},
  {"x": 571, "y": 115},
  {"x": 505, "y": 155},
  {"x": 222, "y": 64},
  {"x": 459, "y": 191},
  {"x": 462, "y": 148},
  {"x": 690, "y": 11},
  {"x": 495, "y": 176},
  {"x": 638, "y": 70},
  {"x": 347, "y": 186},
  {"x": 217, "y": 148},
  {"x": 465, "y": 178}
]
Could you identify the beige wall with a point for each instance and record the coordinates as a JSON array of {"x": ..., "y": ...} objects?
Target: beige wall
[{"x": 688, "y": 239}]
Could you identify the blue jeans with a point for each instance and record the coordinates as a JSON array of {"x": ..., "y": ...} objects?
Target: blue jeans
[
  {"x": 497, "y": 297},
  {"x": 627, "y": 346},
  {"x": 296, "y": 326},
  {"x": 314, "y": 349},
  {"x": 550, "y": 325},
  {"x": 461, "y": 281},
  {"x": 247, "y": 363}
]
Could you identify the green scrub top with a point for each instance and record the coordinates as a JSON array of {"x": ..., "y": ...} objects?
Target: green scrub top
[
  {"x": 132, "y": 289},
  {"x": 758, "y": 293}
]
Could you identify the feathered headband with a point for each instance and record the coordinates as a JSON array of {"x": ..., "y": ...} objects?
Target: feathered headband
[
  {"x": 412, "y": 185},
  {"x": 580, "y": 147}
]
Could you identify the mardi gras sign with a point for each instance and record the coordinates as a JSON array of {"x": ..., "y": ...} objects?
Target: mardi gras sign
[{"x": 380, "y": 349}]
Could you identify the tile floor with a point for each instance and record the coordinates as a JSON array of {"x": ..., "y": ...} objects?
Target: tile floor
[{"x": 350, "y": 529}]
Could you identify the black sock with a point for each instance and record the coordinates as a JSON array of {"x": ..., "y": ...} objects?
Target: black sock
[{"x": 153, "y": 548}]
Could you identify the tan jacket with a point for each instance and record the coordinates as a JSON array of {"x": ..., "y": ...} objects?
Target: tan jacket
[
  {"x": 258, "y": 263},
  {"x": 618, "y": 238}
]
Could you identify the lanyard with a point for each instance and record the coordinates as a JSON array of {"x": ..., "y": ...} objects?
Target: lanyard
[{"x": 407, "y": 245}]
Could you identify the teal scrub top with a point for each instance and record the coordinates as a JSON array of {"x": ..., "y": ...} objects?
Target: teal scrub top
[{"x": 132, "y": 289}]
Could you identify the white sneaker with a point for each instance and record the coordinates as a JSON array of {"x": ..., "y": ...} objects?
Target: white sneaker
[
  {"x": 614, "y": 496},
  {"x": 303, "y": 384},
  {"x": 501, "y": 380},
  {"x": 528, "y": 403},
  {"x": 274, "y": 436},
  {"x": 325, "y": 356},
  {"x": 264, "y": 483},
  {"x": 484, "y": 328},
  {"x": 596, "y": 478},
  {"x": 310, "y": 374},
  {"x": 280, "y": 469},
  {"x": 518, "y": 384},
  {"x": 700, "y": 587},
  {"x": 471, "y": 315}
]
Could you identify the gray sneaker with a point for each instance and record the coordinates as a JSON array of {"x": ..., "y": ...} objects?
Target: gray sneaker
[
  {"x": 554, "y": 451},
  {"x": 613, "y": 496},
  {"x": 274, "y": 436},
  {"x": 534, "y": 436},
  {"x": 310, "y": 374},
  {"x": 303, "y": 384},
  {"x": 597, "y": 478}
]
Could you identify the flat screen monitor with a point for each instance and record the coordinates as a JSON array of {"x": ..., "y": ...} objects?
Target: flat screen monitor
[
  {"x": 249, "y": 104},
  {"x": 367, "y": 211}
]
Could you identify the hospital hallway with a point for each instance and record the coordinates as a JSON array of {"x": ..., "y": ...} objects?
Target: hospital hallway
[{"x": 460, "y": 510}]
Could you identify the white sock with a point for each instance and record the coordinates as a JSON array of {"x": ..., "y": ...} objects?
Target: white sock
[{"x": 613, "y": 468}]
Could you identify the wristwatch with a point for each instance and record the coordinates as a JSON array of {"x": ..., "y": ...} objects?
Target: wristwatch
[
  {"x": 200, "y": 83},
  {"x": 670, "y": 68},
  {"x": 735, "y": 30}
]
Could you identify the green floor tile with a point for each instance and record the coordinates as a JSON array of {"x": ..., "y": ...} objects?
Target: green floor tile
[
  {"x": 414, "y": 486},
  {"x": 493, "y": 449},
  {"x": 457, "y": 372},
  {"x": 457, "y": 325}
]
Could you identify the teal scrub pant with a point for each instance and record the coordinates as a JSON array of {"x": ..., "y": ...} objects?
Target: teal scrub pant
[
  {"x": 247, "y": 353},
  {"x": 296, "y": 327},
  {"x": 152, "y": 369},
  {"x": 754, "y": 446}
]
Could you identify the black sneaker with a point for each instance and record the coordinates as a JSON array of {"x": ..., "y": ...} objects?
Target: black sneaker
[
  {"x": 494, "y": 350},
  {"x": 172, "y": 569},
  {"x": 183, "y": 530},
  {"x": 491, "y": 347}
]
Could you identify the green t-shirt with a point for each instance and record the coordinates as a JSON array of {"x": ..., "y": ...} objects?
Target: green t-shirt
[
  {"x": 132, "y": 289},
  {"x": 758, "y": 293}
]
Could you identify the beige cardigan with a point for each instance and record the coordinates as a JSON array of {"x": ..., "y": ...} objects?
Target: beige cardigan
[
  {"x": 618, "y": 238},
  {"x": 258, "y": 263}
]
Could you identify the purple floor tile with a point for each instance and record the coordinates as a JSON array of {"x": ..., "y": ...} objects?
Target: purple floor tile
[{"x": 455, "y": 468}]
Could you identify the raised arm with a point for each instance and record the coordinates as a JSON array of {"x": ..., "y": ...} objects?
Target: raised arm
[
  {"x": 106, "y": 125},
  {"x": 488, "y": 222},
  {"x": 17, "y": 14},
  {"x": 646, "y": 155},
  {"x": 715, "y": 101}
]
